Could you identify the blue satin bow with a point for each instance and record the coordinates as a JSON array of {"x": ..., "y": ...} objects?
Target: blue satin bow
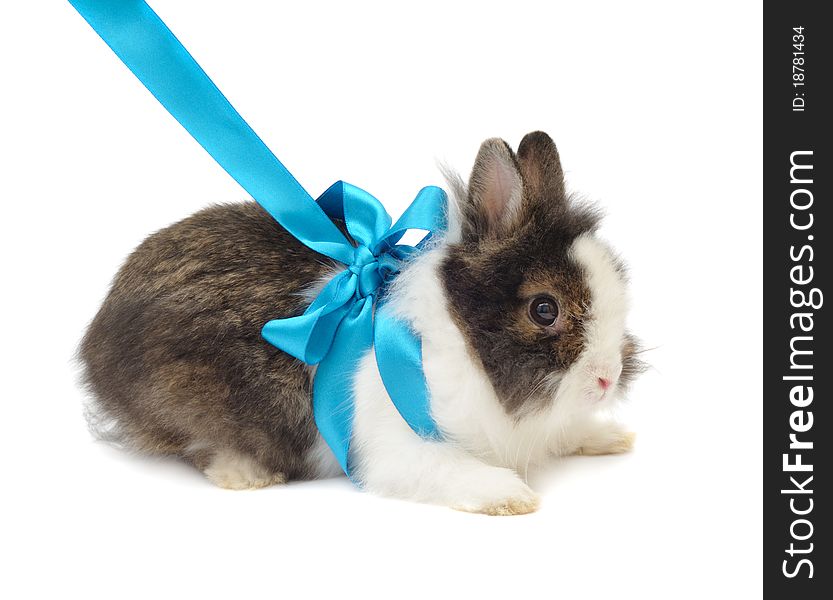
[
  {"x": 340, "y": 326},
  {"x": 348, "y": 316}
]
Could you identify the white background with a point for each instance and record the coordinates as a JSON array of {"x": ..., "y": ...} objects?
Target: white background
[{"x": 656, "y": 109}]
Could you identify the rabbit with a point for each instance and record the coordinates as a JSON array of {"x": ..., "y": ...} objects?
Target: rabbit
[{"x": 520, "y": 309}]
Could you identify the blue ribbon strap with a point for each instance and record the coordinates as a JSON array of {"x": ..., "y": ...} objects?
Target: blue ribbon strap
[
  {"x": 340, "y": 326},
  {"x": 151, "y": 51}
]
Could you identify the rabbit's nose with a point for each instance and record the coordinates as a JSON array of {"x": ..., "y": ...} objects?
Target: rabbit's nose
[{"x": 604, "y": 383}]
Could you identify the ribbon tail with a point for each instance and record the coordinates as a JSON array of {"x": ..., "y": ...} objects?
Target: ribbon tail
[
  {"x": 332, "y": 403},
  {"x": 399, "y": 358}
]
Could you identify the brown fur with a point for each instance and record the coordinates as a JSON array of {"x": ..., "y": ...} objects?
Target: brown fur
[{"x": 175, "y": 357}]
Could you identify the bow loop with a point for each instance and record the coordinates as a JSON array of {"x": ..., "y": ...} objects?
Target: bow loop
[{"x": 365, "y": 217}]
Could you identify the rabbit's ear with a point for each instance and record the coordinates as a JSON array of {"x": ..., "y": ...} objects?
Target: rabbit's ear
[
  {"x": 541, "y": 168},
  {"x": 495, "y": 192}
]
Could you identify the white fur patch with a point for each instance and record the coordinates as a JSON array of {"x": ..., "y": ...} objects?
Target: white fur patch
[
  {"x": 605, "y": 327},
  {"x": 579, "y": 393}
]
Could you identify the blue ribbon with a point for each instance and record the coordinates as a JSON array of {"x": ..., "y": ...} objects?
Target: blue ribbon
[
  {"x": 348, "y": 317},
  {"x": 340, "y": 326}
]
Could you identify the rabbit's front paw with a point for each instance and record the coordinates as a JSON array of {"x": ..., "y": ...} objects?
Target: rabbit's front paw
[
  {"x": 611, "y": 439},
  {"x": 497, "y": 491}
]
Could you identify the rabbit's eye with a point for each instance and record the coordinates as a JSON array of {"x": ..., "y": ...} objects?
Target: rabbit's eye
[{"x": 543, "y": 311}]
